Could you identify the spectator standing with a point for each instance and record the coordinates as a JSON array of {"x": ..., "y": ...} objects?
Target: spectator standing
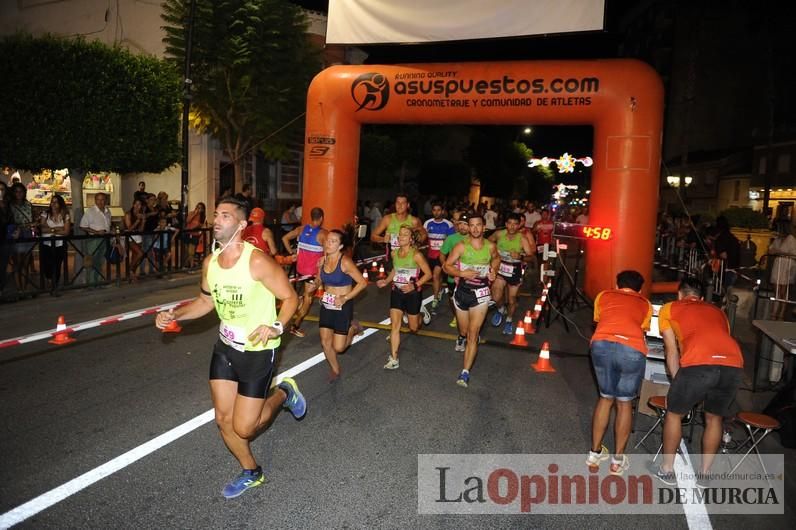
[
  {"x": 96, "y": 221},
  {"x": 141, "y": 194},
  {"x": 6, "y": 221},
  {"x": 196, "y": 220},
  {"x": 134, "y": 221},
  {"x": 55, "y": 221},
  {"x": 783, "y": 269},
  {"x": 22, "y": 213}
]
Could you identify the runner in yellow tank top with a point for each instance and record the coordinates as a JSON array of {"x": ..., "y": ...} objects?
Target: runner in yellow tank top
[
  {"x": 242, "y": 284},
  {"x": 474, "y": 263}
]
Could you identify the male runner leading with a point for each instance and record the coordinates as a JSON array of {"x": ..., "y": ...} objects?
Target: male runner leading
[{"x": 243, "y": 283}]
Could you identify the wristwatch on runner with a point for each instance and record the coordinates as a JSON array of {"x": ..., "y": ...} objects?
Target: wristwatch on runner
[{"x": 279, "y": 327}]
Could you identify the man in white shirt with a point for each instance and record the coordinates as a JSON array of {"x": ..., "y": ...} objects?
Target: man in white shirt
[
  {"x": 583, "y": 217},
  {"x": 531, "y": 215},
  {"x": 96, "y": 221},
  {"x": 490, "y": 218}
]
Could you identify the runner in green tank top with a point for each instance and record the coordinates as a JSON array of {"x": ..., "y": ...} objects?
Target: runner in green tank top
[
  {"x": 514, "y": 249},
  {"x": 462, "y": 231},
  {"x": 410, "y": 271},
  {"x": 387, "y": 229},
  {"x": 474, "y": 262},
  {"x": 242, "y": 284}
]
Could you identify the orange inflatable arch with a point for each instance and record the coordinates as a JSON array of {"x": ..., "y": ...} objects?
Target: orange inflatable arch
[{"x": 621, "y": 99}]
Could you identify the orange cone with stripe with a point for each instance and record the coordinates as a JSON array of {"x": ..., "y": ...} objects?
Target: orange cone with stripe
[
  {"x": 382, "y": 274},
  {"x": 527, "y": 323},
  {"x": 519, "y": 337},
  {"x": 172, "y": 327},
  {"x": 61, "y": 333},
  {"x": 537, "y": 309},
  {"x": 375, "y": 267},
  {"x": 543, "y": 363},
  {"x": 365, "y": 275}
]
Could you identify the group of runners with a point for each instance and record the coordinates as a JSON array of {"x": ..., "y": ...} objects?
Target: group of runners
[{"x": 243, "y": 283}]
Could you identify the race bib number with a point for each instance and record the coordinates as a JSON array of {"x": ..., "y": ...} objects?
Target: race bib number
[
  {"x": 394, "y": 241},
  {"x": 404, "y": 276},
  {"x": 401, "y": 279},
  {"x": 328, "y": 302},
  {"x": 232, "y": 336},
  {"x": 435, "y": 244},
  {"x": 482, "y": 294},
  {"x": 506, "y": 269}
]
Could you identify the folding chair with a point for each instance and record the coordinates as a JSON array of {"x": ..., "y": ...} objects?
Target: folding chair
[
  {"x": 658, "y": 404},
  {"x": 760, "y": 423}
]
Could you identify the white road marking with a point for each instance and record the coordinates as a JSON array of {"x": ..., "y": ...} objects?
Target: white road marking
[{"x": 56, "y": 495}]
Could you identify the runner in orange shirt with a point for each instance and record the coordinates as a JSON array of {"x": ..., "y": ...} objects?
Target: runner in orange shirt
[
  {"x": 705, "y": 363},
  {"x": 618, "y": 353}
]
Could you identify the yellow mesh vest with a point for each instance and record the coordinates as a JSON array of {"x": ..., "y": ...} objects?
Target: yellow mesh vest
[{"x": 242, "y": 303}]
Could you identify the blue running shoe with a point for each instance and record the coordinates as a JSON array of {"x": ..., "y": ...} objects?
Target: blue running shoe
[
  {"x": 295, "y": 401},
  {"x": 249, "y": 478},
  {"x": 497, "y": 318},
  {"x": 508, "y": 329},
  {"x": 464, "y": 379}
]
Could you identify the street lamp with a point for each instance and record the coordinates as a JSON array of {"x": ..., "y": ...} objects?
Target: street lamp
[{"x": 674, "y": 181}]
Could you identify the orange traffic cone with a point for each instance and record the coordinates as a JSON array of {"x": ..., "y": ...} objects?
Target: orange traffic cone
[
  {"x": 543, "y": 363},
  {"x": 365, "y": 275},
  {"x": 172, "y": 327},
  {"x": 537, "y": 309},
  {"x": 375, "y": 266},
  {"x": 543, "y": 298},
  {"x": 382, "y": 274},
  {"x": 519, "y": 337},
  {"x": 527, "y": 323},
  {"x": 61, "y": 333}
]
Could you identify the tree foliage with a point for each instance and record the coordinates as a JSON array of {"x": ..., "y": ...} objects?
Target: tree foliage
[
  {"x": 86, "y": 106},
  {"x": 502, "y": 164},
  {"x": 251, "y": 64}
]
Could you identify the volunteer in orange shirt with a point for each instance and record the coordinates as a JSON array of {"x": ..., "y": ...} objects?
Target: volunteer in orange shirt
[
  {"x": 705, "y": 363},
  {"x": 618, "y": 353}
]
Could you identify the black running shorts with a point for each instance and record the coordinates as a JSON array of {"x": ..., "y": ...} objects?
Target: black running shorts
[
  {"x": 251, "y": 369},
  {"x": 408, "y": 302},
  {"x": 337, "y": 319},
  {"x": 511, "y": 273},
  {"x": 466, "y": 297}
]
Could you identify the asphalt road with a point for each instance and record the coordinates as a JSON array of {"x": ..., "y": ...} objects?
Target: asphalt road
[{"x": 351, "y": 463}]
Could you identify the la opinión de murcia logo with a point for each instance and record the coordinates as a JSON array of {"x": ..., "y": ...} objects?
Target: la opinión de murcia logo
[{"x": 370, "y": 91}]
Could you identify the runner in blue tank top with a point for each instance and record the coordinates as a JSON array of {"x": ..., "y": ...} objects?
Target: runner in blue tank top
[
  {"x": 438, "y": 229},
  {"x": 309, "y": 251}
]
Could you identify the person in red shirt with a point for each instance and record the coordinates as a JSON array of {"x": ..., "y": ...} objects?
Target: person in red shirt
[
  {"x": 705, "y": 363},
  {"x": 258, "y": 235},
  {"x": 618, "y": 353},
  {"x": 543, "y": 232}
]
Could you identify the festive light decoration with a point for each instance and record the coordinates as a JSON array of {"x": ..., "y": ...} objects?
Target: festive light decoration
[{"x": 565, "y": 163}]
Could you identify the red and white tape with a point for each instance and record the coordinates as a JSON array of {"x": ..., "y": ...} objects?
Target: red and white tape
[
  {"x": 24, "y": 339},
  {"x": 93, "y": 323}
]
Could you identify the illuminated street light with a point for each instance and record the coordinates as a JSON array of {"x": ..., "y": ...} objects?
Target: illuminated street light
[{"x": 674, "y": 181}]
